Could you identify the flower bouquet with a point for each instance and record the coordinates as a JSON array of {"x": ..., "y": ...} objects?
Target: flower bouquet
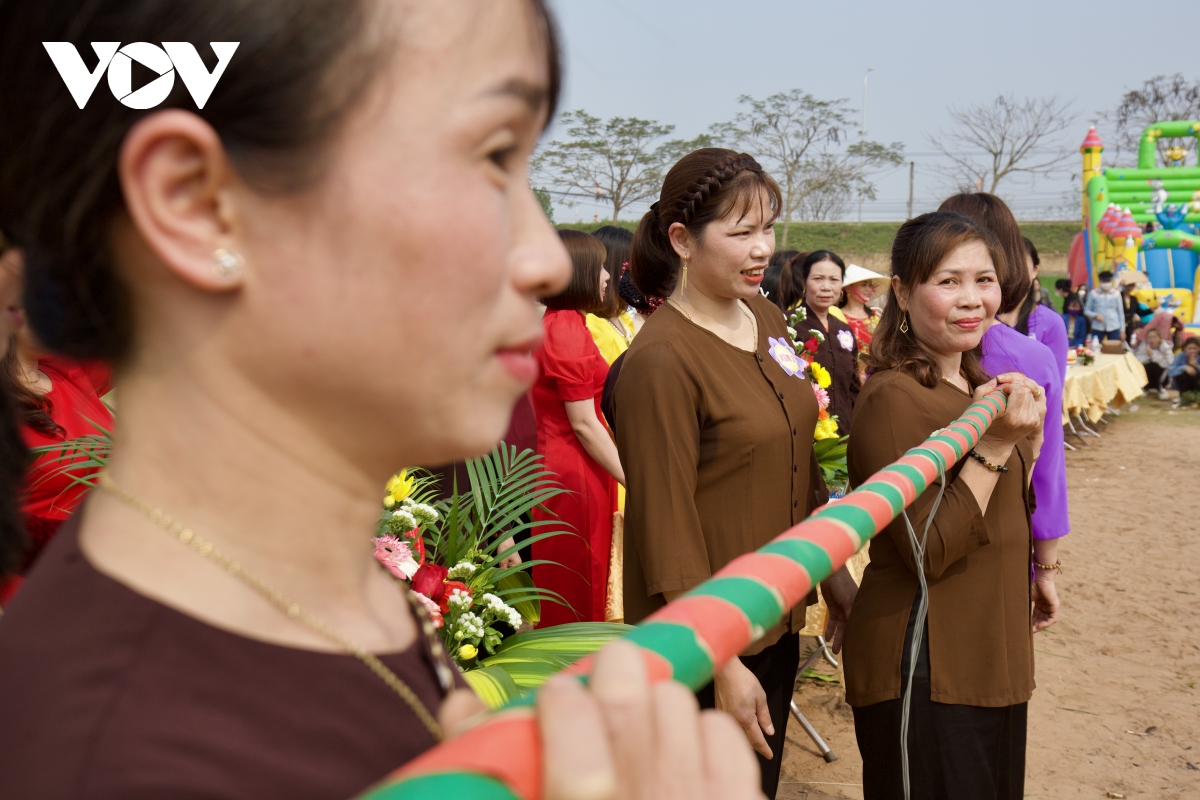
[
  {"x": 1084, "y": 355},
  {"x": 457, "y": 555},
  {"x": 797, "y": 357}
]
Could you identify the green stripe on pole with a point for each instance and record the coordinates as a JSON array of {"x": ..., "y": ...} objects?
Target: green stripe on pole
[
  {"x": 857, "y": 518},
  {"x": 913, "y": 475},
  {"x": 691, "y": 663},
  {"x": 753, "y": 597},
  {"x": 893, "y": 495},
  {"x": 811, "y": 557},
  {"x": 444, "y": 785}
]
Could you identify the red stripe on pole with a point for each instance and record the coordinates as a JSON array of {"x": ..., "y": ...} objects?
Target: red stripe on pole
[
  {"x": 830, "y": 535},
  {"x": 878, "y": 507},
  {"x": 900, "y": 482},
  {"x": 776, "y": 570},
  {"x": 507, "y": 748},
  {"x": 721, "y": 626}
]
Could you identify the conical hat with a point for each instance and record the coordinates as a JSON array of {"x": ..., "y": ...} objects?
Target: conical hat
[{"x": 857, "y": 274}]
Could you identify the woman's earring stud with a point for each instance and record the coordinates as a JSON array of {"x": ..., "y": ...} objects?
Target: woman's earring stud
[{"x": 228, "y": 264}]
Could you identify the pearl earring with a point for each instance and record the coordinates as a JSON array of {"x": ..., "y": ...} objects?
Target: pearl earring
[{"x": 227, "y": 264}]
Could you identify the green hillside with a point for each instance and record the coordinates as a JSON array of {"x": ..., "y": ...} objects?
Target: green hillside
[{"x": 876, "y": 237}]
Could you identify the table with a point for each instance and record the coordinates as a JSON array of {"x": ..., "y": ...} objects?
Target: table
[{"x": 1111, "y": 380}]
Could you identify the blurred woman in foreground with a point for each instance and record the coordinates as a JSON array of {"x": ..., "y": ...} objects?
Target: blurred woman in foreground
[{"x": 293, "y": 315}]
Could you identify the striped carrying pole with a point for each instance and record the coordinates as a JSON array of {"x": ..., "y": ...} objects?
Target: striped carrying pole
[{"x": 696, "y": 634}]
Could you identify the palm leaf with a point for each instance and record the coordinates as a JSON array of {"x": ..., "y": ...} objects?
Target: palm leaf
[
  {"x": 518, "y": 591},
  {"x": 530, "y": 658},
  {"x": 493, "y": 685}
]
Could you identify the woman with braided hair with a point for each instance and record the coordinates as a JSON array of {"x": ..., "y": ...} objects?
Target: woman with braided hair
[{"x": 716, "y": 423}]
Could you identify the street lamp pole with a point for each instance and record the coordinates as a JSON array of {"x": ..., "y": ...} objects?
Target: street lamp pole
[
  {"x": 862, "y": 137},
  {"x": 862, "y": 132}
]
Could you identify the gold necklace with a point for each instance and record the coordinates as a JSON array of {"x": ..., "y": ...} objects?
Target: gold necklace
[
  {"x": 745, "y": 310},
  {"x": 293, "y": 610},
  {"x": 620, "y": 327}
]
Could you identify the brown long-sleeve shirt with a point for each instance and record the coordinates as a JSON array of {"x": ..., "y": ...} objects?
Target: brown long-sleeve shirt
[
  {"x": 977, "y": 564},
  {"x": 716, "y": 444}
]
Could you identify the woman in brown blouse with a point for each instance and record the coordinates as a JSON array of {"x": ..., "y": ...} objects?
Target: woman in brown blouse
[
  {"x": 822, "y": 273},
  {"x": 973, "y": 671},
  {"x": 295, "y": 311},
  {"x": 714, "y": 426}
]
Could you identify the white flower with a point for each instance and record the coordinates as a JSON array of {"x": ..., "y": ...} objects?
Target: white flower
[
  {"x": 459, "y": 600},
  {"x": 403, "y": 520},
  {"x": 461, "y": 571},
  {"x": 501, "y": 610},
  {"x": 469, "y": 626},
  {"x": 424, "y": 514}
]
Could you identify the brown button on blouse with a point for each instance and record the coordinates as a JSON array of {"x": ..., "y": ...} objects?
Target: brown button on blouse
[
  {"x": 713, "y": 466},
  {"x": 977, "y": 565}
]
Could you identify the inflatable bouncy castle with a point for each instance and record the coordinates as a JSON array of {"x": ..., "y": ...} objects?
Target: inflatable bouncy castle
[{"x": 1145, "y": 219}]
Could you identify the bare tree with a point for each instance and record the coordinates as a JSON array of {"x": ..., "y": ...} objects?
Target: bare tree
[
  {"x": 615, "y": 160},
  {"x": 1161, "y": 99},
  {"x": 1004, "y": 138},
  {"x": 800, "y": 138},
  {"x": 833, "y": 181}
]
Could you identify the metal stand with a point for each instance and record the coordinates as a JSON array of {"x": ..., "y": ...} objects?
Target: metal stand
[
  {"x": 1086, "y": 430},
  {"x": 821, "y": 651}
]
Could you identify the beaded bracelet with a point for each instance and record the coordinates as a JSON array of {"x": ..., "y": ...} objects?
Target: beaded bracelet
[
  {"x": 1057, "y": 565},
  {"x": 986, "y": 463}
]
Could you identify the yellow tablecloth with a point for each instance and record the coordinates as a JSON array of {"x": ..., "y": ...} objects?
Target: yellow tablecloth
[{"x": 1112, "y": 380}]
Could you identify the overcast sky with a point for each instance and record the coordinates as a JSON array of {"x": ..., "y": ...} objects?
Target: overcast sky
[{"x": 685, "y": 62}]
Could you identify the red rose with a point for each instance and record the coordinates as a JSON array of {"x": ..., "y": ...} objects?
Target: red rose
[
  {"x": 429, "y": 580},
  {"x": 812, "y": 344},
  {"x": 444, "y": 601}
]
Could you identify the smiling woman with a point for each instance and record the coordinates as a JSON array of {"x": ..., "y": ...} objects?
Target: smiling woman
[
  {"x": 969, "y": 673},
  {"x": 715, "y": 423},
  {"x": 292, "y": 317}
]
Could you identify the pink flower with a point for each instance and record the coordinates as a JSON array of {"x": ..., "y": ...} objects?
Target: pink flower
[
  {"x": 822, "y": 396},
  {"x": 435, "y": 613},
  {"x": 396, "y": 556}
]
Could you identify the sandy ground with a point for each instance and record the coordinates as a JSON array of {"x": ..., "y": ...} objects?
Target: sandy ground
[{"x": 1117, "y": 708}]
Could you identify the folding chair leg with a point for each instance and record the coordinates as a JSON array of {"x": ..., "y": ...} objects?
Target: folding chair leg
[
  {"x": 825, "y": 651},
  {"x": 826, "y": 753},
  {"x": 1087, "y": 431}
]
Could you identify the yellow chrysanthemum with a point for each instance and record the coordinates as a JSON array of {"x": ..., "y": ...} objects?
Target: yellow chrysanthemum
[
  {"x": 467, "y": 652},
  {"x": 399, "y": 486},
  {"x": 820, "y": 375},
  {"x": 826, "y": 429}
]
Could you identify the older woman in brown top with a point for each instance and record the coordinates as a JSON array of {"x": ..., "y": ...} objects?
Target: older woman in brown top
[
  {"x": 288, "y": 330},
  {"x": 714, "y": 424},
  {"x": 973, "y": 669}
]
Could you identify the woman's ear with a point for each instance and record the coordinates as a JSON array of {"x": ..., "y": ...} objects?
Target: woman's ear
[
  {"x": 681, "y": 241},
  {"x": 901, "y": 292},
  {"x": 176, "y": 179}
]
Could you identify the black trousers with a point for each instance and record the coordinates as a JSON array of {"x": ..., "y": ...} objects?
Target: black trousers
[
  {"x": 955, "y": 752},
  {"x": 1156, "y": 376},
  {"x": 775, "y": 667},
  {"x": 1187, "y": 383}
]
